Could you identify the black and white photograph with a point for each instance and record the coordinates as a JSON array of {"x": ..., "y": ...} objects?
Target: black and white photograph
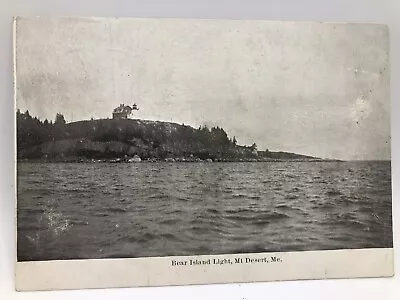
[{"x": 142, "y": 138}]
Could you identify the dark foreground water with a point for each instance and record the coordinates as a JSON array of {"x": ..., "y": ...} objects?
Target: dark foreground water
[{"x": 71, "y": 211}]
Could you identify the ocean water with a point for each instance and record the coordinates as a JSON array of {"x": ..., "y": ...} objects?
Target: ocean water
[{"x": 100, "y": 210}]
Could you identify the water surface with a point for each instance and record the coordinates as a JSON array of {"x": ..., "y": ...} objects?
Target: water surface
[{"x": 100, "y": 210}]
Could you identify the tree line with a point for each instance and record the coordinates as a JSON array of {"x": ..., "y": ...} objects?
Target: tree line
[{"x": 32, "y": 131}]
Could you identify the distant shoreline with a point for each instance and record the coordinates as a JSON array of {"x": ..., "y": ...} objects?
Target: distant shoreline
[{"x": 170, "y": 160}]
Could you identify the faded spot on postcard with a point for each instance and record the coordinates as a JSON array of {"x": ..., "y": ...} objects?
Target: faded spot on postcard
[{"x": 175, "y": 151}]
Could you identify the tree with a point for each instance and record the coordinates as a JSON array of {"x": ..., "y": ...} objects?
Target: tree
[
  {"x": 59, "y": 119},
  {"x": 27, "y": 116},
  {"x": 253, "y": 147},
  {"x": 234, "y": 141},
  {"x": 59, "y": 128}
]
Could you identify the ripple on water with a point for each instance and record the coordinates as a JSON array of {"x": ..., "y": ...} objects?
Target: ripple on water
[{"x": 188, "y": 209}]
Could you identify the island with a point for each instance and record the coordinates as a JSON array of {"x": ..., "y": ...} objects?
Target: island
[{"x": 122, "y": 139}]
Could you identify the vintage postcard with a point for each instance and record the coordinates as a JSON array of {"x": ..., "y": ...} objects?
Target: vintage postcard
[{"x": 156, "y": 152}]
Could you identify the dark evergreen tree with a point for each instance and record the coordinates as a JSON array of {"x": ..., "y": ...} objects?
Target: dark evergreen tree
[
  {"x": 59, "y": 119},
  {"x": 234, "y": 141}
]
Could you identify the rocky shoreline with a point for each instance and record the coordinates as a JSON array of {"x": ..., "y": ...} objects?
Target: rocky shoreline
[{"x": 137, "y": 159}]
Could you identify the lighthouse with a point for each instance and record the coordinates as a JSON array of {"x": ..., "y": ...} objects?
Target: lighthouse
[{"x": 124, "y": 111}]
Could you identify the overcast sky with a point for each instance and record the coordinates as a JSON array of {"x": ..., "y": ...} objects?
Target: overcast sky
[{"x": 311, "y": 88}]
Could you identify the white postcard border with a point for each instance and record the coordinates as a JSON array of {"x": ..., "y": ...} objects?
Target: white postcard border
[{"x": 161, "y": 271}]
